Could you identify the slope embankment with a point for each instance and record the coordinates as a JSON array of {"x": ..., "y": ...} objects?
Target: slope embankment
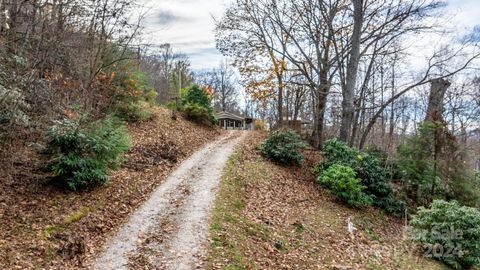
[{"x": 43, "y": 227}]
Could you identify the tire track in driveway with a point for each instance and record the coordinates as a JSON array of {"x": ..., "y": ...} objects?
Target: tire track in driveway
[{"x": 184, "y": 202}]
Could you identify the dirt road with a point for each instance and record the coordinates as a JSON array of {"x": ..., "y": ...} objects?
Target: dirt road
[{"x": 170, "y": 230}]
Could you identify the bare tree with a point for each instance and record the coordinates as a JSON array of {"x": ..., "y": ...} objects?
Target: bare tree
[
  {"x": 436, "y": 70},
  {"x": 224, "y": 84},
  {"x": 168, "y": 71}
]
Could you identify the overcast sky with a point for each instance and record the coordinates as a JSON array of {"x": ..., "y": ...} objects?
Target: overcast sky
[{"x": 188, "y": 25}]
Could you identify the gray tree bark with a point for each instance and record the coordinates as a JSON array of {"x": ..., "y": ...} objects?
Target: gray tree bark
[
  {"x": 435, "y": 102},
  {"x": 348, "y": 107},
  {"x": 280, "y": 100}
]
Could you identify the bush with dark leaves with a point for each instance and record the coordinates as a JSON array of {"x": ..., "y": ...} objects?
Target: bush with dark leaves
[
  {"x": 284, "y": 147},
  {"x": 368, "y": 168}
]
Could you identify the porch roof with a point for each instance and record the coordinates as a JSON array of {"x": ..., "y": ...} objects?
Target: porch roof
[{"x": 228, "y": 115}]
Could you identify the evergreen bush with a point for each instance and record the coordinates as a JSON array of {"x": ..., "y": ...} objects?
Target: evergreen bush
[
  {"x": 197, "y": 113},
  {"x": 84, "y": 153},
  {"x": 132, "y": 97},
  {"x": 284, "y": 147},
  {"x": 368, "y": 168},
  {"x": 196, "y": 105},
  {"x": 450, "y": 233},
  {"x": 431, "y": 166}
]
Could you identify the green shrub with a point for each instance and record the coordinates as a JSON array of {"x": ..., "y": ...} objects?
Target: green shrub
[
  {"x": 196, "y": 105},
  {"x": 196, "y": 95},
  {"x": 373, "y": 175},
  {"x": 368, "y": 168},
  {"x": 378, "y": 153},
  {"x": 197, "y": 113},
  {"x": 283, "y": 147},
  {"x": 343, "y": 183},
  {"x": 415, "y": 166},
  {"x": 451, "y": 232},
  {"x": 84, "y": 153},
  {"x": 337, "y": 152}
]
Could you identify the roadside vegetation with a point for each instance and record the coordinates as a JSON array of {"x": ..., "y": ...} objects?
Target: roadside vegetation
[
  {"x": 84, "y": 153},
  {"x": 362, "y": 179},
  {"x": 46, "y": 225},
  {"x": 196, "y": 104},
  {"x": 284, "y": 147},
  {"x": 270, "y": 216}
]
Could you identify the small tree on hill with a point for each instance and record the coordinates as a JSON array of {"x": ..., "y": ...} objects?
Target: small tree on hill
[{"x": 196, "y": 104}]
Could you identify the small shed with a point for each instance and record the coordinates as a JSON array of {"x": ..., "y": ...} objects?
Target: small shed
[
  {"x": 231, "y": 121},
  {"x": 297, "y": 125}
]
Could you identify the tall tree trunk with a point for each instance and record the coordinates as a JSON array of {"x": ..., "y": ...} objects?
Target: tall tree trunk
[
  {"x": 392, "y": 112},
  {"x": 361, "y": 102},
  {"x": 348, "y": 107},
  {"x": 438, "y": 88},
  {"x": 320, "y": 117},
  {"x": 280, "y": 100},
  {"x": 356, "y": 119},
  {"x": 435, "y": 103}
]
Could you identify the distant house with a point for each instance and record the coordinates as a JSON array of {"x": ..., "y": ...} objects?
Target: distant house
[
  {"x": 231, "y": 121},
  {"x": 297, "y": 125}
]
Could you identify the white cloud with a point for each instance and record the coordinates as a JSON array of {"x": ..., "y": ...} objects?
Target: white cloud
[
  {"x": 466, "y": 13},
  {"x": 188, "y": 25}
]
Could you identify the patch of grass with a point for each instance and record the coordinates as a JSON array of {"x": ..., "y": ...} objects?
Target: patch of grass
[
  {"x": 68, "y": 220},
  {"x": 229, "y": 218},
  {"x": 228, "y": 212},
  {"x": 256, "y": 171},
  {"x": 216, "y": 227},
  {"x": 77, "y": 216},
  {"x": 299, "y": 228},
  {"x": 239, "y": 205},
  {"x": 51, "y": 230},
  {"x": 256, "y": 229}
]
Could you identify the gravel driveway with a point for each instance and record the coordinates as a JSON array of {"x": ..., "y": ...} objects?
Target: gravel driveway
[{"x": 170, "y": 230}]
